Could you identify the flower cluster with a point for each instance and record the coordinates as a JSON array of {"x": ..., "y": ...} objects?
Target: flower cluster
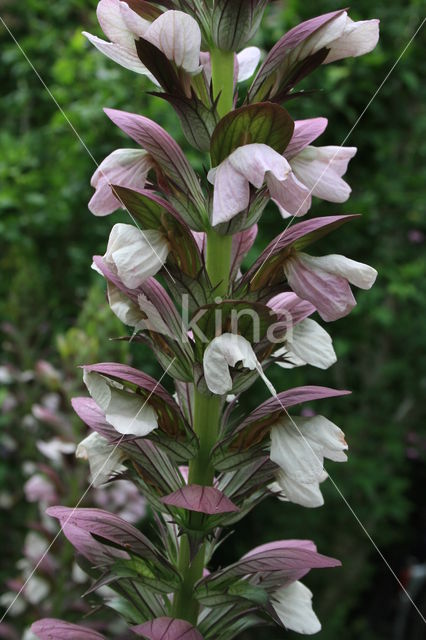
[{"x": 175, "y": 277}]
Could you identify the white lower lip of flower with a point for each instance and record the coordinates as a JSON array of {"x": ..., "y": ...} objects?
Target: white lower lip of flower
[
  {"x": 226, "y": 351},
  {"x": 136, "y": 255},
  {"x": 104, "y": 459},
  {"x": 128, "y": 413},
  {"x": 298, "y": 447},
  {"x": 293, "y": 605}
]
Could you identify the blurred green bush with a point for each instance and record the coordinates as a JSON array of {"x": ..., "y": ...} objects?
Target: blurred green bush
[{"x": 48, "y": 237}]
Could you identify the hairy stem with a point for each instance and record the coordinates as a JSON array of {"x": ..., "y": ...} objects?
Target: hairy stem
[{"x": 207, "y": 408}]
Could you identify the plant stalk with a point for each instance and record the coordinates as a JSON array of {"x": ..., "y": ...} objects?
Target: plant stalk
[{"x": 207, "y": 408}]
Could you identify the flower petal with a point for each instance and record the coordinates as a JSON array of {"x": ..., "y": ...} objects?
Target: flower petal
[
  {"x": 310, "y": 342},
  {"x": 124, "y": 168},
  {"x": 357, "y": 38},
  {"x": 231, "y": 192},
  {"x": 321, "y": 168},
  {"x": 124, "y": 56},
  {"x": 128, "y": 413},
  {"x": 248, "y": 59},
  {"x": 293, "y": 605},
  {"x": 359, "y": 274},
  {"x": 103, "y": 458},
  {"x": 305, "y": 132},
  {"x": 254, "y": 160},
  {"x": 291, "y": 197},
  {"x": 329, "y": 293},
  {"x": 178, "y": 36},
  {"x": 110, "y": 18},
  {"x": 135, "y": 254},
  {"x": 223, "y": 352}
]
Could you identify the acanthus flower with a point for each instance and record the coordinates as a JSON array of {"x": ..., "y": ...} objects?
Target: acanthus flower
[
  {"x": 135, "y": 255},
  {"x": 175, "y": 33},
  {"x": 124, "y": 168},
  {"x": 127, "y": 412},
  {"x": 324, "y": 281},
  {"x": 298, "y": 447}
]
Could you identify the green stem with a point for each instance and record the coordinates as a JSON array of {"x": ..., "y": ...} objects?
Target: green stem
[
  {"x": 223, "y": 79},
  {"x": 206, "y": 408}
]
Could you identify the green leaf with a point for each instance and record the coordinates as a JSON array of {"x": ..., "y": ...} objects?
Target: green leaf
[{"x": 264, "y": 122}]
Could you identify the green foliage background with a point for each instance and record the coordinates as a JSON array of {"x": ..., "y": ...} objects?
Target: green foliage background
[{"x": 48, "y": 236}]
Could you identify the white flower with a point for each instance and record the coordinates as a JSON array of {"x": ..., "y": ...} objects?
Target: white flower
[
  {"x": 135, "y": 255},
  {"x": 55, "y": 448},
  {"x": 104, "y": 458},
  {"x": 175, "y": 33},
  {"x": 298, "y": 447},
  {"x": 293, "y": 605},
  {"x": 124, "y": 168},
  {"x": 342, "y": 36},
  {"x": 127, "y": 412},
  {"x": 247, "y": 59},
  {"x": 321, "y": 170},
  {"x": 141, "y": 316},
  {"x": 250, "y": 164},
  {"x": 226, "y": 351},
  {"x": 307, "y": 343}
]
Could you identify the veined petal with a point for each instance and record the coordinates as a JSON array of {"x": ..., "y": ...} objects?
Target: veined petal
[
  {"x": 321, "y": 168},
  {"x": 126, "y": 56},
  {"x": 322, "y": 37},
  {"x": 310, "y": 342},
  {"x": 128, "y": 413},
  {"x": 110, "y": 18},
  {"x": 136, "y": 254},
  {"x": 123, "y": 167},
  {"x": 299, "y": 458},
  {"x": 125, "y": 310},
  {"x": 231, "y": 192},
  {"x": 293, "y": 605},
  {"x": 305, "y": 494},
  {"x": 178, "y": 36},
  {"x": 305, "y": 132},
  {"x": 357, "y": 38},
  {"x": 223, "y": 352},
  {"x": 253, "y": 161},
  {"x": 359, "y": 274},
  {"x": 133, "y": 21},
  {"x": 103, "y": 458},
  {"x": 329, "y": 293},
  {"x": 291, "y": 196},
  {"x": 248, "y": 59}
]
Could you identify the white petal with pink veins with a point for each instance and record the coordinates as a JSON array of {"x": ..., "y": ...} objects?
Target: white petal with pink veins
[
  {"x": 357, "y": 273},
  {"x": 357, "y": 39},
  {"x": 178, "y": 36},
  {"x": 291, "y": 197},
  {"x": 124, "y": 168},
  {"x": 253, "y": 161},
  {"x": 111, "y": 19},
  {"x": 321, "y": 168},
  {"x": 125, "y": 56},
  {"x": 231, "y": 192}
]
